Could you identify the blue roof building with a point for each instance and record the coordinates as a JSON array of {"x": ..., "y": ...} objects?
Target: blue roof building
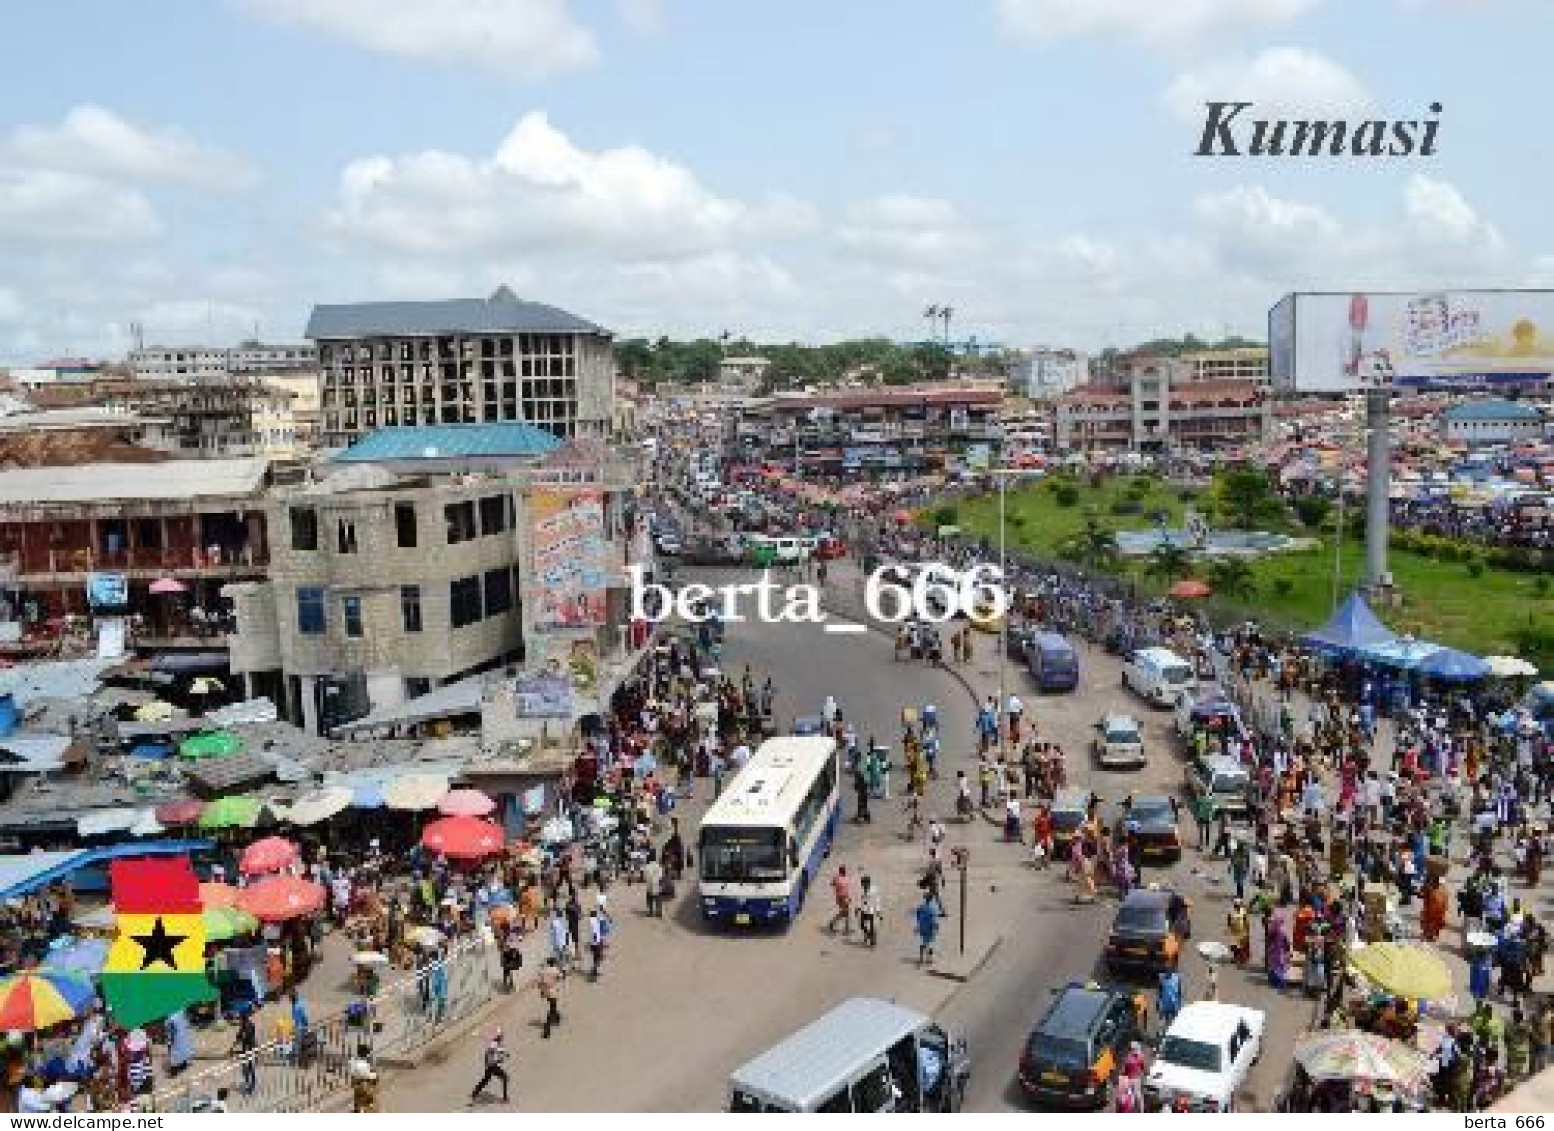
[
  {"x": 1492, "y": 420},
  {"x": 452, "y": 447}
]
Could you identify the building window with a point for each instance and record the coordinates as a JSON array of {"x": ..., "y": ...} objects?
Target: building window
[
  {"x": 404, "y": 525},
  {"x": 345, "y": 536},
  {"x": 310, "y": 611},
  {"x": 410, "y": 607},
  {"x": 499, "y": 591},
  {"x": 351, "y": 609},
  {"x": 464, "y": 601},
  {"x": 493, "y": 514},
  {"x": 304, "y": 528},
  {"x": 461, "y": 522}
]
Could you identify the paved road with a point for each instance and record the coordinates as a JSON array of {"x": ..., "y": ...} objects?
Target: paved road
[{"x": 680, "y": 1007}]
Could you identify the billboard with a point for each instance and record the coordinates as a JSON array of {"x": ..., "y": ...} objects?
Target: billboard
[
  {"x": 1320, "y": 343},
  {"x": 541, "y": 696},
  {"x": 566, "y": 536},
  {"x": 107, "y": 590}
]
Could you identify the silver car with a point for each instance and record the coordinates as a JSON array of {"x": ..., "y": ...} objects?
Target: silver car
[{"x": 1119, "y": 742}]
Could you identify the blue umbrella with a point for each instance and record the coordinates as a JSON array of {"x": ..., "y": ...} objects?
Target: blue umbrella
[
  {"x": 1450, "y": 664},
  {"x": 151, "y": 750},
  {"x": 85, "y": 956}
]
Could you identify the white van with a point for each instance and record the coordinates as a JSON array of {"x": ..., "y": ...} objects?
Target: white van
[{"x": 1158, "y": 675}]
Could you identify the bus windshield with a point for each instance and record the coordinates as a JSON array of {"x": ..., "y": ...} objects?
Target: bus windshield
[{"x": 733, "y": 855}]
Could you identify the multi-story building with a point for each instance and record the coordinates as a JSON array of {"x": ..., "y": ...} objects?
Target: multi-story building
[
  {"x": 1233, "y": 363},
  {"x": 208, "y": 363},
  {"x": 1159, "y": 410},
  {"x": 401, "y": 570},
  {"x": 199, "y": 523},
  {"x": 461, "y": 361},
  {"x": 1044, "y": 372},
  {"x": 904, "y": 429},
  {"x": 210, "y": 416},
  {"x": 60, "y": 371},
  {"x": 1492, "y": 420}
]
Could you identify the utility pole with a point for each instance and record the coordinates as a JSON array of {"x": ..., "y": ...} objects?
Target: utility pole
[{"x": 960, "y": 858}]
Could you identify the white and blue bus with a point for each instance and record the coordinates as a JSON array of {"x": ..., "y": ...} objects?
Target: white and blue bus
[{"x": 762, "y": 841}]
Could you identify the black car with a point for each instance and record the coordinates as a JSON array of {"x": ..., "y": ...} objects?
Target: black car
[
  {"x": 1073, "y": 1054},
  {"x": 1148, "y": 932},
  {"x": 1017, "y": 640},
  {"x": 1151, "y": 817}
]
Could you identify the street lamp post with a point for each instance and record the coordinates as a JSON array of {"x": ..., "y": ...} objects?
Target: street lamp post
[{"x": 1003, "y": 642}]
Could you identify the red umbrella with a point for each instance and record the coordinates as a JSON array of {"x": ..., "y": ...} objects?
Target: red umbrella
[
  {"x": 184, "y": 811},
  {"x": 272, "y": 854},
  {"x": 902, "y": 516},
  {"x": 275, "y": 899},
  {"x": 1191, "y": 589},
  {"x": 218, "y": 895},
  {"x": 463, "y": 838}
]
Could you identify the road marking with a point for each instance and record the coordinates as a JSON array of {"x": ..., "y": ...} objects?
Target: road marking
[{"x": 845, "y": 626}]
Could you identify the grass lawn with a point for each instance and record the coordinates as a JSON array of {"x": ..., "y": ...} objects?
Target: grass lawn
[{"x": 1441, "y": 601}]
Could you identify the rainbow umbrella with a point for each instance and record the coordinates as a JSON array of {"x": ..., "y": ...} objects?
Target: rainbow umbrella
[{"x": 43, "y": 998}]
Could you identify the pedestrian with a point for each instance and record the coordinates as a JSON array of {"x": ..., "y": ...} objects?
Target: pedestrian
[
  {"x": 842, "y": 892},
  {"x": 301, "y": 1033},
  {"x": 560, "y": 939},
  {"x": 180, "y": 1042},
  {"x": 494, "y": 1059},
  {"x": 598, "y": 940},
  {"x": 1203, "y": 813},
  {"x": 868, "y": 910},
  {"x": 243, "y": 1046},
  {"x": 927, "y": 921},
  {"x": 653, "y": 881},
  {"x": 512, "y": 956},
  {"x": 1168, "y": 998},
  {"x": 861, "y": 790},
  {"x": 549, "y": 982}
]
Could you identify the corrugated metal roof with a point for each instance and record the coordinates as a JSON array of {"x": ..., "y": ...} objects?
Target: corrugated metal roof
[
  {"x": 101, "y": 482},
  {"x": 451, "y": 441},
  {"x": 502, "y": 313},
  {"x": 1494, "y": 409}
]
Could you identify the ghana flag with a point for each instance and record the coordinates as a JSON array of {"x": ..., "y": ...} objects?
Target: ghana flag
[{"x": 156, "y": 965}]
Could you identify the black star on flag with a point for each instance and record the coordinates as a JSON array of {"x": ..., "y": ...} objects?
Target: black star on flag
[{"x": 159, "y": 946}]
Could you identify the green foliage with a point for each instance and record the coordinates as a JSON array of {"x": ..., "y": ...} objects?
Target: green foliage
[
  {"x": 1313, "y": 509},
  {"x": 1540, "y": 585},
  {"x": 1283, "y": 587},
  {"x": 1232, "y": 577},
  {"x": 1169, "y": 562},
  {"x": 1129, "y": 505},
  {"x": 1065, "y": 494},
  {"x": 946, "y": 516},
  {"x": 1245, "y": 498},
  {"x": 1475, "y": 567},
  {"x": 1094, "y": 546}
]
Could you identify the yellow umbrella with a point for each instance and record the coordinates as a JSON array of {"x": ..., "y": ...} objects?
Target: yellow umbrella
[
  {"x": 1405, "y": 969},
  {"x": 156, "y": 711}
]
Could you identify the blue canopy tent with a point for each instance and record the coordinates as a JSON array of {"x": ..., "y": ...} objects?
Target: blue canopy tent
[
  {"x": 1401, "y": 653},
  {"x": 1452, "y": 665},
  {"x": 22, "y": 873},
  {"x": 1350, "y": 629}
]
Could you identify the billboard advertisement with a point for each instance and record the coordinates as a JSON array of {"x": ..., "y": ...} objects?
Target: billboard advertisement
[
  {"x": 566, "y": 537},
  {"x": 1329, "y": 343},
  {"x": 542, "y": 696}
]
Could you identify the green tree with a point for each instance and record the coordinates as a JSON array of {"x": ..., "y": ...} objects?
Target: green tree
[
  {"x": 1232, "y": 577},
  {"x": 1094, "y": 546},
  {"x": 1247, "y": 500},
  {"x": 635, "y": 358},
  {"x": 1168, "y": 561},
  {"x": 1313, "y": 509}
]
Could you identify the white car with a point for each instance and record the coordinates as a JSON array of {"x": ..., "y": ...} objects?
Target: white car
[
  {"x": 1205, "y": 1057},
  {"x": 1119, "y": 741}
]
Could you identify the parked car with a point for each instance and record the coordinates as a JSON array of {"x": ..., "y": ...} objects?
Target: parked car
[
  {"x": 1053, "y": 662},
  {"x": 1152, "y": 818},
  {"x": 1074, "y": 1052},
  {"x": 1222, "y": 776},
  {"x": 1119, "y": 741},
  {"x": 1143, "y": 936},
  {"x": 713, "y": 552},
  {"x": 1205, "y": 1056},
  {"x": 1207, "y": 706},
  {"x": 1158, "y": 675}
]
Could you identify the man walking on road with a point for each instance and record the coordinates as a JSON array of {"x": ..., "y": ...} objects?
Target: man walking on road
[
  {"x": 549, "y": 982},
  {"x": 1203, "y": 813},
  {"x": 495, "y": 1055},
  {"x": 869, "y": 910},
  {"x": 653, "y": 880},
  {"x": 842, "y": 891}
]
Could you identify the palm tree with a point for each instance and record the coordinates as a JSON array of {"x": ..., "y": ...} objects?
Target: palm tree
[
  {"x": 1232, "y": 577},
  {"x": 1169, "y": 561}
]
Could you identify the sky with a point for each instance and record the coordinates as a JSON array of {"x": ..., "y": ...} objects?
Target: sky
[{"x": 799, "y": 171}]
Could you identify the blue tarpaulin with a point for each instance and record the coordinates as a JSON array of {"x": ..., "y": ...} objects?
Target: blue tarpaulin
[
  {"x": 1351, "y": 628},
  {"x": 1450, "y": 664},
  {"x": 21, "y": 874}
]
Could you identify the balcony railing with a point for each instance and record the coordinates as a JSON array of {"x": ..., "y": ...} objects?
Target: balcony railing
[{"x": 167, "y": 560}]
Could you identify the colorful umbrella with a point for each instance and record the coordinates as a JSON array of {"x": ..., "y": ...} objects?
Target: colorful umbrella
[
  {"x": 155, "y": 711},
  {"x": 319, "y": 805},
  {"x": 1348, "y": 1054},
  {"x": 223, "y": 923},
  {"x": 168, "y": 585},
  {"x": 77, "y": 956},
  {"x": 415, "y": 792},
  {"x": 41, "y": 999},
  {"x": 1405, "y": 969},
  {"x": 237, "y": 812},
  {"x": 211, "y": 744},
  {"x": 272, "y": 854},
  {"x": 465, "y": 803},
  {"x": 218, "y": 895},
  {"x": 276, "y": 899},
  {"x": 463, "y": 838},
  {"x": 1190, "y": 589},
  {"x": 184, "y": 811}
]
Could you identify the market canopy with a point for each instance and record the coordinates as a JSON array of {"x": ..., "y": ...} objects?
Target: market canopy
[
  {"x": 1400, "y": 653},
  {"x": 1450, "y": 664},
  {"x": 1351, "y": 628},
  {"x": 27, "y": 872},
  {"x": 1407, "y": 970}
]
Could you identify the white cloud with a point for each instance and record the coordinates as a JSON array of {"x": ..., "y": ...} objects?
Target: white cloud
[
  {"x": 1281, "y": 82},
  {"x": 531, "y": 38},
  {"x": 1436, "y": 206},
  {"x": 173, "y": 321},
  {"x": 646, "y": 17},
  {"x": 49, "y": 207},
  {"x": 1162, "y": 24},
  {"x": 908, "y": 230},
  {"x": 541, "y": 193},
  {"x": 93, "y": 141}
]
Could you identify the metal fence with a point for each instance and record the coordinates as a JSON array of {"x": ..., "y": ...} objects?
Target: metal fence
[{"x": 403, "y": 1017}]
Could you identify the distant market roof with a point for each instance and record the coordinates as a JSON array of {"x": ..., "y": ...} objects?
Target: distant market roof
[
  {"x": 1493, "y": 408},
  {"x": 100, "y": 482},
  {"x": 451, "y": 441},
  {"x": 502, "y": 313}
]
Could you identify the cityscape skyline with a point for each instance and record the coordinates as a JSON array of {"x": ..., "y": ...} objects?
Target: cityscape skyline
[{"x": 662, "y": 166}]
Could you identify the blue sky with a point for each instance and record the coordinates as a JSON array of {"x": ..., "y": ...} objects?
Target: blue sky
[{"x": 796, "y": 171}]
